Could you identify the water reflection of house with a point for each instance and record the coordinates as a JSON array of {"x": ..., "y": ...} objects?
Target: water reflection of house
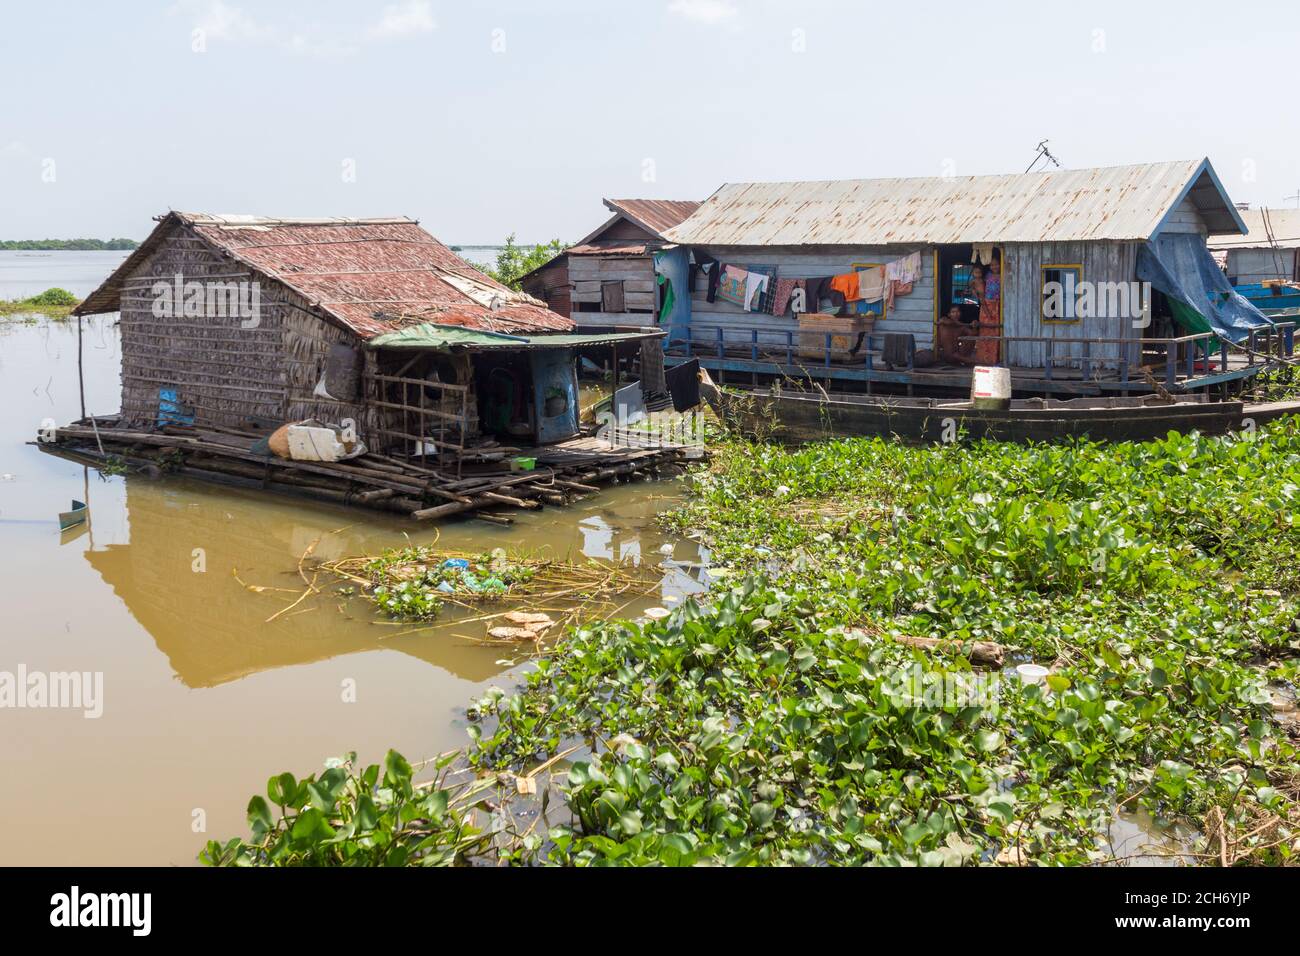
[{"x": 212, "y": 628}]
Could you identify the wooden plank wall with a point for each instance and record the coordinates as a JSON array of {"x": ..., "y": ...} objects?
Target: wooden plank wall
[
  {"x": 551, "y": 285},
  {"x": 1185, "y": 218},
  {"x": 912, "y": 313},
  {"x": 1022, "y": 298},
  {"x": 586, "y": 273}
]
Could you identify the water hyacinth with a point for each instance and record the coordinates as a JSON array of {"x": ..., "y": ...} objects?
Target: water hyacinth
[{"x": 820, "y": 704}]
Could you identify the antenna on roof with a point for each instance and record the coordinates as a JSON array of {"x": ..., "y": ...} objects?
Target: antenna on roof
[
  {"x": 1296, "y": 199},
  {"x": 1043, "y": 152}
]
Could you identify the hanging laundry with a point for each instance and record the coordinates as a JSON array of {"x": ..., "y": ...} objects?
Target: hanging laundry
[
  {"x": 871, "y": 283},
  {"x": 764, "y": 302},
  {"x": 896, "y": 289},
  {"x": 731, "y": 285},
  {"x": 666, "y": 297},
  {"x": 712, "y": 269},
  {"x": 819, "y": 288},
  {"x": 755, "y": 284},
  {"x": 982, "y": 253},
  {"x": 847, "y": 286},
  {"x": 905, "y": 270},
  {"x": 782, "y": 294}
]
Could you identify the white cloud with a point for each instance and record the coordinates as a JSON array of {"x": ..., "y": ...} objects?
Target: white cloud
[
  {"x": 705, "y": 11},
  {"x": 403, "y": 19},
  {"x": 224, "y": 22},
  {"x": 221, "y": 21}
]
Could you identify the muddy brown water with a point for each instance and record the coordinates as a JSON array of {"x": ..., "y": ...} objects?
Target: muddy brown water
[{"x": 203, "y": 698}]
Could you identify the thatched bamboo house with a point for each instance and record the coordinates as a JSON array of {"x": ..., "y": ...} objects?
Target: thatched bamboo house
[{"x": 240, "y": 321}]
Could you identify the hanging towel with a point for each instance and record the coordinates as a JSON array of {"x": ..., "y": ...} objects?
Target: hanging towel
[
  {"x": 896, "y": 289},
  {"x": 905, "y": 270},
  {"x": 755, "y": 285},
  {"x": 847, "y": 286},
  {"x": 982, "y": 253},
  {"x": 731, "y": 285},
  {"x": 871, "y": 284}
]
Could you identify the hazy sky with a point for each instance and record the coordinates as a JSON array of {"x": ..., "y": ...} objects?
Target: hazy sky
[{"x": 483, "y": 118}]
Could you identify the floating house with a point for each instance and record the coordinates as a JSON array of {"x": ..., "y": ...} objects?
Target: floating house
[
  {"x": 1266, "y": 252},
  {"x": 609, "y": 278},
  {"x": 434, "y": 381},
  {"x": 239, "y": 321},
  {"x": 772, "y": 265},
  {"x": 1263, "y": 265}
]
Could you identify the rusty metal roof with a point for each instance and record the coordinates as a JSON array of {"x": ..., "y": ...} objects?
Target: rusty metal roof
[
  {"x": 653, "y": 215},
  {"x": 613, "y": 247},
  {"x": 1120, "y": 202},
  {"x": 370, "y": 275},
  {"x": 1283, "y": 226}
]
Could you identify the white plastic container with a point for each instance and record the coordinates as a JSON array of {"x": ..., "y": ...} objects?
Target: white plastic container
[
  {"x": 1032, "y": 673},
  {"x": 990, "y": 387}
]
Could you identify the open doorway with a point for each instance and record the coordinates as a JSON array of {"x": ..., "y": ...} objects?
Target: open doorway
[{"x": 968, "y": 282}]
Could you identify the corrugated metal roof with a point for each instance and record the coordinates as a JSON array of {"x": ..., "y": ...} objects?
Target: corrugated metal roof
[
  {"x": 1120, "y": 202},
  {"x": 656, "y": 215},
  {"x": 371, "y": 275},
  {"x": 613, "y": 247},
  {"x": 1283, "y": 225}
]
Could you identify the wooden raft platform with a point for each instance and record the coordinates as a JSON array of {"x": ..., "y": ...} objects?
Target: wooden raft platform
[{"x": 563, "y": 471}]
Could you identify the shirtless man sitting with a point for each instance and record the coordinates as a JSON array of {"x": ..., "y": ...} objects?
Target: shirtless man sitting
[{"x": 953, "y": 351}]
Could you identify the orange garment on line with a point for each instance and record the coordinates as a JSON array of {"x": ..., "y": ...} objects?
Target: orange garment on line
[{"x": 847, "y": 285}]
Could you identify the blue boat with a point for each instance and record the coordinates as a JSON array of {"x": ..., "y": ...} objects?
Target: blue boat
[{"x": 1271, "y": 298}]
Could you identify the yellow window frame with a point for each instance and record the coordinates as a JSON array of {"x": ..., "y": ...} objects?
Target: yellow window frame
[{"x": 1077, "y": 268}]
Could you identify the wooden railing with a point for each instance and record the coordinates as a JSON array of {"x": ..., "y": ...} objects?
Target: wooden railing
[{"x": 1181, "y": 353}]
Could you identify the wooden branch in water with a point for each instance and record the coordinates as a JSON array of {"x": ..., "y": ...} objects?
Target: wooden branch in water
[
  {"x": 986, "y": 653},
  {"x": 980, "y": 652}
]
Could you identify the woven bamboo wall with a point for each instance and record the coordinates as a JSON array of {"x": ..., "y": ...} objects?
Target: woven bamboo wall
[
  {"x": 307, "y": 341},
  {"x": 223, "y": 370}
]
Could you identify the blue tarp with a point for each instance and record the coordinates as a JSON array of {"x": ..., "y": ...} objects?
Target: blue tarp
[{"x": 1182, "y": 268}]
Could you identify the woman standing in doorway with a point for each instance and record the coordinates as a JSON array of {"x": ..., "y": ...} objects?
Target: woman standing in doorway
[{"x": 987, "y": 286}]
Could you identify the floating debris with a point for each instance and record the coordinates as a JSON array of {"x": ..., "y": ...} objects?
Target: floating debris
[{"x": 416, "y": 583}]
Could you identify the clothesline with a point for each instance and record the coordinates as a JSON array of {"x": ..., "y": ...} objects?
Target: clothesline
[{"x": 758, "y": 289}]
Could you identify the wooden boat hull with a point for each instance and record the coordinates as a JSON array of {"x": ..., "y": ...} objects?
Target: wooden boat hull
[
  {"x": 803, "y": 417},
  {"x": 74, "y": 517}
]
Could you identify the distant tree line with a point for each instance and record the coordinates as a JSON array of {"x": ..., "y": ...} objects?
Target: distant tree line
[{"x": 95, "y": 245}]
